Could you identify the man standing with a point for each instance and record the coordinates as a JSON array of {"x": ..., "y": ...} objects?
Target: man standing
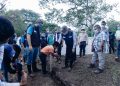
[
  {"x": 70, "y": 41},
  {"x": 105, "y": 31},
  {"x": 117, "y": 35},
  {"x": 82, "y": 41},
  {"x": 33, "y": 39},
  {"x": 111, "y": 42},
  {"x": 98, "y": 50},
  {"x": 58, "y": 38}
]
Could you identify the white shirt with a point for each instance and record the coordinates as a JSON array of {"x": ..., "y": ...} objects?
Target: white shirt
[
  {"x": 117, "y": 34},
  {"x": 83, "y": 37},
  {"x": 1, "y": 54},
  {"x": 58, "y": 39},
  {"x": 74, "y": 40}
]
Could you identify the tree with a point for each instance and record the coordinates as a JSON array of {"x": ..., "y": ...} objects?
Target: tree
[
  {"x": 20, "y": 18},
  {"x": 112, "y": 24},
  {"x": 80, "y": 12},
  {"x": 17, "y": 21},
  {"x": 2, "y": 6},
  {"x": 52, "y": 27},
  {"x": 28, "y": 15}
]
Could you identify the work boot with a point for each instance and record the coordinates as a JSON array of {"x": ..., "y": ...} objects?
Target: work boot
[
  {"x": 91, "y": 66},
  {"x": 98, "y": 71},
  {"x": 34, "y": 67},
  {"x": 64, "y": 67},
  {"x": 117, "y": 59},
  {"x": 69, "y": 69},
  {"x": 29, "y": 71}
]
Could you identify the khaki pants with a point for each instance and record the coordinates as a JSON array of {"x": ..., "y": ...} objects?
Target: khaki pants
[{"x": 98, "y": 56}]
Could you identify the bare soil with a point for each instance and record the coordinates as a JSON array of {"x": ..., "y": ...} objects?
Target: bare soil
[{"x": 81, "y": 75}]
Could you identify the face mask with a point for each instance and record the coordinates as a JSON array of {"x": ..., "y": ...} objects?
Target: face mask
[
  {"x": 82, "y": 31},
  {"x": 96, "y": 31},
  {"x": 118, "y": 28},
  {"x": 65, "y": 32}
]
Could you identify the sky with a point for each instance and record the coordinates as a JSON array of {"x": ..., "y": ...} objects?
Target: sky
[{"x": 34, "y": 5}]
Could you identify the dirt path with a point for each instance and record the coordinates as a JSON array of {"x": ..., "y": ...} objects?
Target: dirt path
[{"x": 82, "y": 76}]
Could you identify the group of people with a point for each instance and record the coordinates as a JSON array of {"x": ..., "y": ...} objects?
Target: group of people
[{"x": 33, "y": 44}]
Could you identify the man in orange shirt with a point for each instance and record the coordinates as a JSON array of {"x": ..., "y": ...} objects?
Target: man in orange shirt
[{"x": 46, "y": 51}]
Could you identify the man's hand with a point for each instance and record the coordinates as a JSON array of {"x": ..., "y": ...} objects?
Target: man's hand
[
  {"x": 22, "y": 46},
  {"x": 100, "y": 50},
  {"x": 55, "y": 55},
  {"x": 73, "y": 50},
  {"x": 1, "y": 76},
  {"x": 30, "y": 48},
  {"x": 118, "y": 39}
]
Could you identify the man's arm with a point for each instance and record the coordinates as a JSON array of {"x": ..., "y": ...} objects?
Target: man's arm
[
  {"x": 29, "y": 33},
  {"x": 103, "y": 40},
  {"x": 74, "y": 40},
  {"x": 60, "y": 39},
  {"x": 86, "y": 38},
  {"x": 78, "y": 39}
]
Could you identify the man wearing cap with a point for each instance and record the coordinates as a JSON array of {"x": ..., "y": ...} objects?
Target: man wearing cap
[
  {"x": 33, "y": 39},
  {"x": 117, "y": 36},
  {"x": 82, "y": 41},
  {"x": 105, "y": 32},
  {"x": 70, "y": 40},
  {"x": 58, "y": 38}
]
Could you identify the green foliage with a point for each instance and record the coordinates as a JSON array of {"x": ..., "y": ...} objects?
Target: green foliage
[
  {"x": 20, "y": 18},
  {"x": 28, "y": 15},
  {"x": 112, "y": 24},
  {"x": 2, "y": 6},
  {"x": 80, "y": 12},
  {"x": 16, "y": 20},
  {"x": 52, "y": 27}
]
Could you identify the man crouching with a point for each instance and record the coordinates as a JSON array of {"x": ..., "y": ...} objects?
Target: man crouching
[{"x": 46, "y": 51}]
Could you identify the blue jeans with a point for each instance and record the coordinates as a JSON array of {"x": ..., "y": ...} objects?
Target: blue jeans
[
  {"x": 118, "y": 49},
  {"x": 6, "y": 70},
  {"x": 32, "y": 55},
  {"x": 25, "y": 54}
]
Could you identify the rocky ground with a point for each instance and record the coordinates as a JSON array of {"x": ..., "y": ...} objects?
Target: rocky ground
[{"x": 81, "y": 75}]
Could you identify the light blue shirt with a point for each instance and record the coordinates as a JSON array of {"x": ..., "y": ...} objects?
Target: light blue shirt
[{"x": 30, "y": 30}]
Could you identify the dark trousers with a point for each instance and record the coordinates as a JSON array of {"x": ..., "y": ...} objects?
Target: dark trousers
[
  {"x": 7, "y": 70},
  {"x": 118, "y": 49},
  {"x": 59, "y": 49},
  {"x": 43, "y": 61},
  {"x": 111, "y": 47},
  {"x": 69, "y": 59},
  {"x": 74, "y": 55},
  {"x": 82, "y": 48}
]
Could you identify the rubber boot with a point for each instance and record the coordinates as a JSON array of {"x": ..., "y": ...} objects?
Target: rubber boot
[
  {"x": 34, "y": 67},
  {"x": 29, "y": 71}
]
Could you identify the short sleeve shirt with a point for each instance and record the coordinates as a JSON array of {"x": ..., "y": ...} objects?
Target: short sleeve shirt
[
  {"x": 22, "y": 39},
  {"x": 30, "y": 30},
  {"x": 9, "y": 53},
  {"x": 9, "y": 50}
]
